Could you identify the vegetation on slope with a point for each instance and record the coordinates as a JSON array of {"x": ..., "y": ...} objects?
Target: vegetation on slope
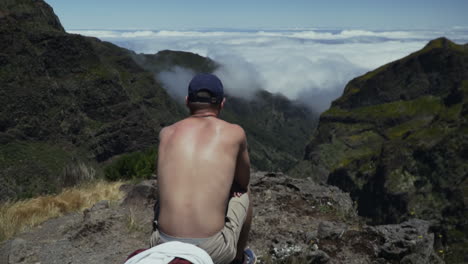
[
  {"x": 397, "y": 141},
  {"x": 132, "y": 166}
]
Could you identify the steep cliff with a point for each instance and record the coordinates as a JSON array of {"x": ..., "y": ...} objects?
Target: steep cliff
[{"x": 397, "y": 140}]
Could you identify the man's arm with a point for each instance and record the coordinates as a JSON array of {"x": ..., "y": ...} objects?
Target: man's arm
[
  {"x": 241, "y": 181},
  {"x": 242, "y": 173},
  {"x": 156, "y": 207}
]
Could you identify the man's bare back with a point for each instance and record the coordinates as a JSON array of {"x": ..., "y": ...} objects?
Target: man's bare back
[
  {"x": 199, "y": 159},
  {"x": 203, "y": 178}
]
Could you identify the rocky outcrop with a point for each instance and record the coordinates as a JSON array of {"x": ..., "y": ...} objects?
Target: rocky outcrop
[
  {"x": 410, "y": 242},
  {"x": 397, "y": 142},
  {"x": 295, "y": 221}
]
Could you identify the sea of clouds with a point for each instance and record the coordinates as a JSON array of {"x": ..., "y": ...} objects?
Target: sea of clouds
[{"x": 308, "y": 65}]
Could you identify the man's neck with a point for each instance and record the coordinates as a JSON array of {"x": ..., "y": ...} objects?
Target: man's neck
[{"x": 204, "y": 114}]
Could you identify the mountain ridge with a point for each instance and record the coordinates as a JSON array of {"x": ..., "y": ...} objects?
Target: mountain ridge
[
  {"x": 397, "y": 141},
  {"x": 423, "y": 77}
]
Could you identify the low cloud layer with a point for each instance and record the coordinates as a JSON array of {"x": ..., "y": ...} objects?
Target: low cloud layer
[
  {"x": 176, "y": 81},
  {"x": 312, "y": 66}
]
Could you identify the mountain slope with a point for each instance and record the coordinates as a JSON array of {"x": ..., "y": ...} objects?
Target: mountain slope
[
  {"x": 397, "y": 140},
  {"x": 68, "y": 100}
]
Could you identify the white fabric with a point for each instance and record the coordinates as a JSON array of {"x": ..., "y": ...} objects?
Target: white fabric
[{"x": 166, "y": 252}]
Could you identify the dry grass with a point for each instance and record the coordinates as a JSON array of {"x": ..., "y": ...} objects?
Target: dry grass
[
  {"x": 132, "y": 223},
  {"x": 19, "y": 216}
]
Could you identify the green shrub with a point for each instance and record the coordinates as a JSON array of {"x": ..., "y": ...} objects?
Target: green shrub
[{"x": 135, "y": 165}]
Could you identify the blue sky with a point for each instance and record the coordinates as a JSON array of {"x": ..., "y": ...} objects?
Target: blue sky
[{"x": 189, "y": 14}]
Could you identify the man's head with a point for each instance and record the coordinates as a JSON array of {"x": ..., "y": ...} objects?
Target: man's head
[{"x": 205, "y": 91}]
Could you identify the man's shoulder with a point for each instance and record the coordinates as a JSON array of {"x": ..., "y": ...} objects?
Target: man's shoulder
[
  {"x": 165, "y": 131},
  {"x": 238, "y": 129},
  {"x": 231, "y": 126},
  {"x": 235, "y": 129},
  {"x": 174, "y": 126}
]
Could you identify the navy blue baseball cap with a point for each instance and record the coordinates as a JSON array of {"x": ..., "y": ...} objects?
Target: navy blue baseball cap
[{"x": 206, "y": 82}]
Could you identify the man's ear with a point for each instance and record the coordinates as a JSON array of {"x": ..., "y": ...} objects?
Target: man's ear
[
  {"x": 186, "y": 101},
  {"x": 222, "y": 103}
]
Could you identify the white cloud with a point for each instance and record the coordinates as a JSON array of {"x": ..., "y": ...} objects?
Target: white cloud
[
  {"x": 176, "y": 82},
  {"x": 102, "y": 34},
  {"x": 311, "y": 65},
  {"x": 321, "y": 35},
  {"x": 137, "y": 34},
  {"x": 238, "y": 76}
]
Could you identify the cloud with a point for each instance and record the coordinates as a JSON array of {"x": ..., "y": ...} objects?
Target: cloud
[
  {"x": 346, "y": 34},
  {"x": 239, "y": 77},
  {"x": 176, "y": 82},
  {"x": 308, "y": 65}
]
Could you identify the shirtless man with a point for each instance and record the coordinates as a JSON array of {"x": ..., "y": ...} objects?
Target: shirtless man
[{"x": 203, "y": 178}]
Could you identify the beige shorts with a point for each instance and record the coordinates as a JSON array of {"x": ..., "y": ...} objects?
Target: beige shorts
[{"x": 222, "y": 247}]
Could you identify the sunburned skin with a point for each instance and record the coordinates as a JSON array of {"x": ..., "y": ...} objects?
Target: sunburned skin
[{"x": 199, "y": 159}]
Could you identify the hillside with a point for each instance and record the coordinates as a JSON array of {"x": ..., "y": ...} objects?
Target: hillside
[
  {"x": 397, "y": 140},
  {"x": 277, "y": 128},
  {"x": 68, "y": 102}
]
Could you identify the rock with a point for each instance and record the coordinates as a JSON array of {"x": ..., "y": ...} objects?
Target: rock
[
  {"x": 315, "y": 247},
  {"x": 311, "y": 237},
  {"x": 20, "y": 252},
  {"x": 100, "y": 206},
  {"x": 142, "y": 194},
  {"x": 317, "y": 257},
  {"x": 331, "y": 230},
  {"x": 283, "y": 251},
  {"x": 409, "y": 242}
]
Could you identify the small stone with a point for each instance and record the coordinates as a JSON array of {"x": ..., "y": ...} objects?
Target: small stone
[
  {"x": 328, "y": 229},
  {"x": 310, "y": 237},
  {"x": 318, "y": 257}
]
